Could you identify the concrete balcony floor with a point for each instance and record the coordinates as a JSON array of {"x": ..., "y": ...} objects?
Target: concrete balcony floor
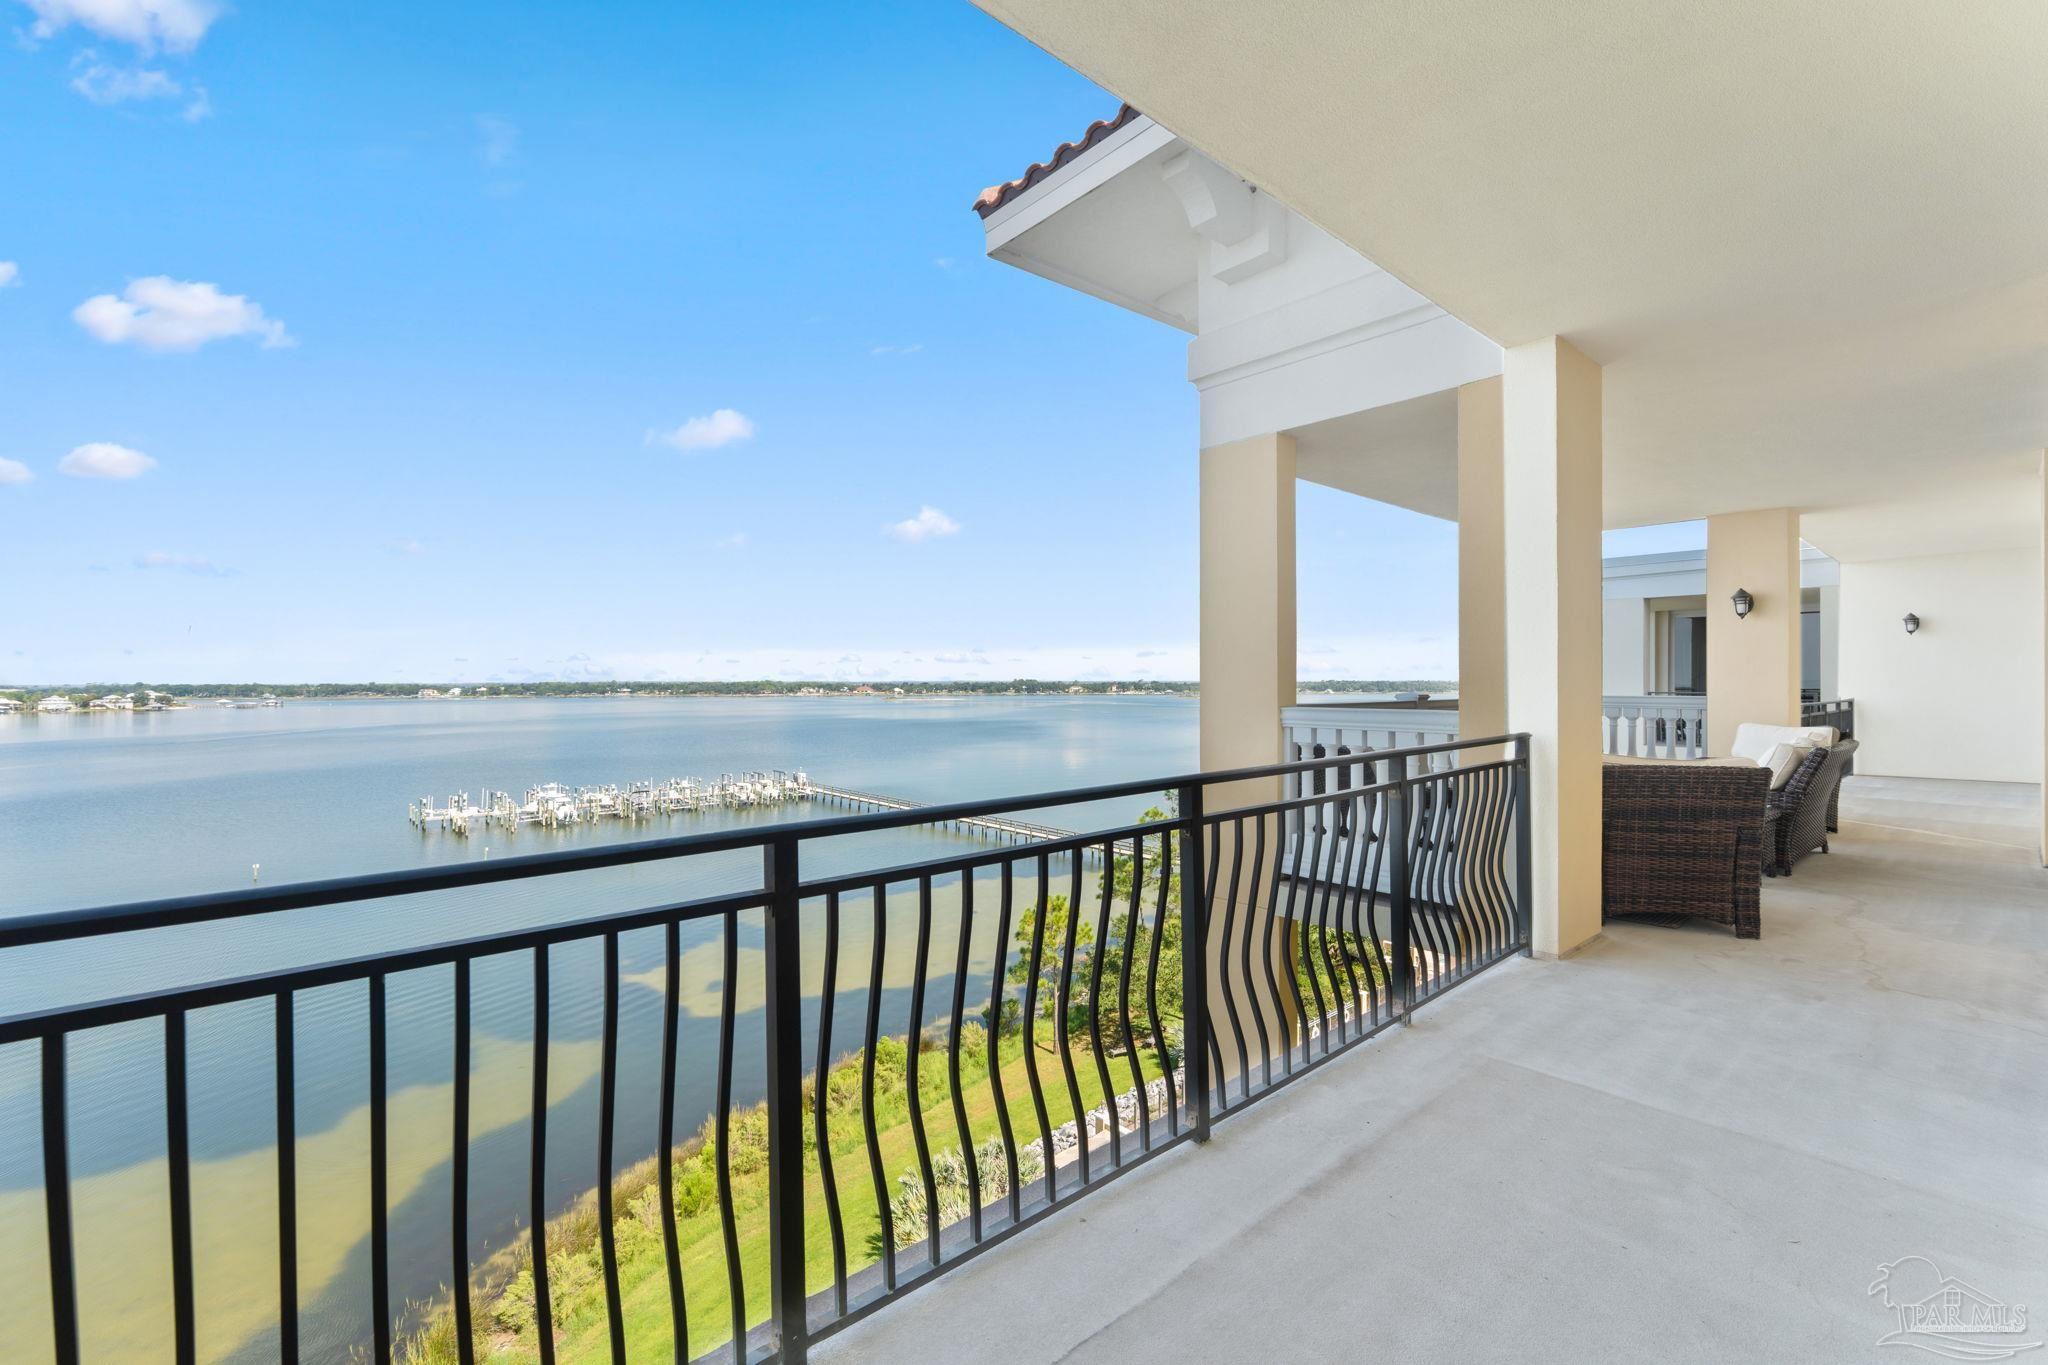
[{"x": 1673, "y": 1146}]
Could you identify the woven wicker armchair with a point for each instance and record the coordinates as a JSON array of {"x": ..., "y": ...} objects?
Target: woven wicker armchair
[
  {"x": 1683, "y": 839},
  {"x": 1809, "y": 803}
]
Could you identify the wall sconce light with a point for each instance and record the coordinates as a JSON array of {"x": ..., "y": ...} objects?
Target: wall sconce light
[
  {"x": 1912, "y": 623},
  {"x": 1744, "y": 603}
]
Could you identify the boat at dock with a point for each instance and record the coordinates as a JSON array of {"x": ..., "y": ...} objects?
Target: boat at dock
[{"x": 553, "y": 805}]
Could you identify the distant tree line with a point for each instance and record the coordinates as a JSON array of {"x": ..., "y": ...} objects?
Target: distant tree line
[{"x": 754, "y": 688}]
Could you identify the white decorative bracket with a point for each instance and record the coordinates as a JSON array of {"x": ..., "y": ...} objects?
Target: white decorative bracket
[{"x": 1246, "y": 231}]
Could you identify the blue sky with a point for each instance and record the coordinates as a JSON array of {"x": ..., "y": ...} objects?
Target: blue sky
[{"x": 555, "y": 341}]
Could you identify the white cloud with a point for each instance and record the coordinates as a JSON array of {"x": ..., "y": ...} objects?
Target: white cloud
[
  {"x": 104, "y": 84},
  {"x": 192, "y": 564},
  {"x": 174, "y": 25},
  {"x": 163, "y": 314},
  {"x": 14, "y": 471},
  {"x": 10, "y": 273},
  {"x": 721, "y": 428},
  {"x": 497, "y": 140},
  {"x": 408, "y": 545},
  {"x": 737, "y": 540},
  {"x": 911, "y": 349},
  {"x": 944, "y": 262},
  {"x": 105, "y": 460},
  {"x": 928, "y": 522}
]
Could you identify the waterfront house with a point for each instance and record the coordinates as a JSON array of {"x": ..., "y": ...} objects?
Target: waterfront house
[
  {"x": 8, "y": 705},
  {"x": 54, "y": 704}
]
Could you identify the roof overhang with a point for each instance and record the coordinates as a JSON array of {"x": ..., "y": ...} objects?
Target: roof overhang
[
  {"x": 1809, "y": 243},
  {"x": 1093, "y": 225}
]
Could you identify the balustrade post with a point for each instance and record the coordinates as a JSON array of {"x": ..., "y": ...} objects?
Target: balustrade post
[
  {"x": 1194, "y": 960},
  {"x": 1522, "y": 872},
  {"x": 783, "y": 1012}
]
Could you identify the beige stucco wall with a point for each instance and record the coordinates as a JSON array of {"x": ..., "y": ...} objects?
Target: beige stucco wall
[
  {"x": 1963, "y": 698},
  {"x": 1753, "y": 662},
  {"x": 1551, "y": 476}
]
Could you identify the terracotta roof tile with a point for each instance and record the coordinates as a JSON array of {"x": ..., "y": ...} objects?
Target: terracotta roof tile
[{"x": 995, "y": 196}]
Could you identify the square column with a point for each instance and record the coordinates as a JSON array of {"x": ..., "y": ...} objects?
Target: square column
[
  {"x": 1753, "y": 661},
  {"x": 1248, "y": 675},
  {"x": 1247, "y": 581},
  {"x": 1482, "y": 580},
  {"x": 1551, "y": 479}
]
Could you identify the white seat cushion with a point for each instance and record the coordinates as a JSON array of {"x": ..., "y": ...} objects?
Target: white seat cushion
[{"x": 1754, "y": 741}]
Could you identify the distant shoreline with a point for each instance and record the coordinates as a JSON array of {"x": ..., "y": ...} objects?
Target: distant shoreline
[{"x": 176, "y": 694}]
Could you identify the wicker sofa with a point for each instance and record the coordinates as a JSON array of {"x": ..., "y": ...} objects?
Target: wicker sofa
[
  {"x": 1808, "y": 807},
  {"x": 1684, "y": 839}
]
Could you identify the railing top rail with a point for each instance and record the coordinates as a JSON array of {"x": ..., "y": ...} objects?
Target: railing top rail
[{"x": 57, "y": 925}]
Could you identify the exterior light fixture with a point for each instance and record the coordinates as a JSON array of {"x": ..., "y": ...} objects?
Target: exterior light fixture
[
  {"x": 1744, "y": 603},
  {"x": 1912, "y": 623}
]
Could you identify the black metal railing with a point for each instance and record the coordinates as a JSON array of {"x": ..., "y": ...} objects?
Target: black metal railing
[
  {"x": 1840, "y": 713},
  {"x": 1337, "y": 894}
]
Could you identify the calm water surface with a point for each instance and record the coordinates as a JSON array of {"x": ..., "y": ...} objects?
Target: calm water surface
[{"x": 106, "y": 808}]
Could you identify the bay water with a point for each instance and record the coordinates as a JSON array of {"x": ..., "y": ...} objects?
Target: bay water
[{"x": 101, "y": 808}]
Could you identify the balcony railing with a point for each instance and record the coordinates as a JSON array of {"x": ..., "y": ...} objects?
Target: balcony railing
[
  {"x": 1336, "y": 895},
  {"x": 1654, "y": 727}
]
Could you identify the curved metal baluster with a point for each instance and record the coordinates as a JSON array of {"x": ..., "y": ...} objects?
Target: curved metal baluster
[
  {"x": 1283, "y": 1028},
  {"x": 867, "y": 1089},
  {"x": 995, "y": 1038},
  {"x": 1302, "y": 932},
  {"x": 1166, "y": 867},
  {"x": 820, "y": 1094},
  {"x": 913, "y": 1047},
  {"x": 1217, "y": 1084},
  {"x": 1116, "y": 1146},
  {"x": 1323, "y": 892},
  {"x": 665, "y": 1144},
  {"x": 1031, "y": 1024},
  {"x": 1060, "y": 1021},
  {"x": 735, "y": 1274},
  {"x": 967, "y": 1153},
  {"x": 1123, "y": 995},
  {"x": 1293, "y": 978},
  {"x": 1244, "y": 1065}
]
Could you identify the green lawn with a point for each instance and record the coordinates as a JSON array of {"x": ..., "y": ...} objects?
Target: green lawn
[{"x": 503, "y": 1316}]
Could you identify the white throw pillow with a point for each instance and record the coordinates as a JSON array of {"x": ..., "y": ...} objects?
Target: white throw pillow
[{"x": 1783, "y": 760}]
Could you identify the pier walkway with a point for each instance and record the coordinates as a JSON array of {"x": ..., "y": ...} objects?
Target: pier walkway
[{"x": 996, "y": 827}]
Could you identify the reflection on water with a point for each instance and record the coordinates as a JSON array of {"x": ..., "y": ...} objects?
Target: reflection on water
[{"x": 185, "y": 802}]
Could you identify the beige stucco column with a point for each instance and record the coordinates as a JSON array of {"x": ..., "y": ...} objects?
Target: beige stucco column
[
  {"x": 2044, "y": 687},
  {"x": 1482, "y": 581},
  {"x": 1247, "y": 610},
  {"x": 1551, "y": 473},
  {"x": 1752, "y": 662},
  {"x": 1248, "y": 643}
]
